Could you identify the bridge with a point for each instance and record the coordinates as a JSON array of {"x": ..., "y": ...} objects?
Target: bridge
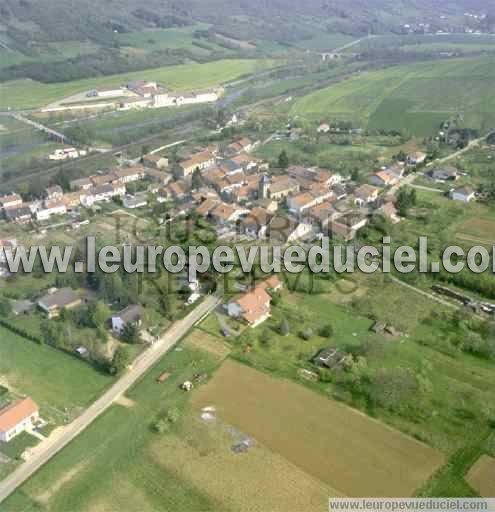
[{"x": 53, "y": 134}]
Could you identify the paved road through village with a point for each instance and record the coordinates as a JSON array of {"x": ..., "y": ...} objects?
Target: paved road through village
[{"x": 53, "y": 445}]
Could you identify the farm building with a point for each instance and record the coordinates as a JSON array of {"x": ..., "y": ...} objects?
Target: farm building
[
  {"x": 448, "y": 173},
  {"x": 53, "y": 303},
  {"x": 464, "y": 194},
  {"x": 17, "y": 417}
]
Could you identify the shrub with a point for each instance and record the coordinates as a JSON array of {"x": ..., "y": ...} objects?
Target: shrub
[
  {"x": 306, "y": 334},
  {"x": 326, "y": 331}
]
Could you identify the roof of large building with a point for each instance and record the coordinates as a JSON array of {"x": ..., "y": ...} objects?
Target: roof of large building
[
  {"x": 14, "y": 413},
  {"x": 131, "y": 313},
  {"x": 58, "y": 299},
  {"x": 10, "y": 198},
  {"x": 197, "y": 159},
  {"x": 365, "y": 191}
]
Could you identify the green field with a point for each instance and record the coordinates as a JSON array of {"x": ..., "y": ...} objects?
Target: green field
[
  {"x": 415, "y": 98},
  {"x": 164, "y": 39},
  {"x": 29, "y": 94},
  {"x": 428, "y": 42},
  {"x": 325, "y": 41},
  {"x": 55, "y": 380},
  {"x": 50, "y": 52}
]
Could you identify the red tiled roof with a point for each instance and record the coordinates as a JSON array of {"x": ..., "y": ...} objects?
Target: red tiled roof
[{"x": 14, "y": 413}]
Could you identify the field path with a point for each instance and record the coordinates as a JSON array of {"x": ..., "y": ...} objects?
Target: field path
[
  {"x": 143, "y": 363},
  {"x": 422, "y": 292}
]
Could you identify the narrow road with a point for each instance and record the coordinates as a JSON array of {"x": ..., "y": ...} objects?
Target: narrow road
[
  {"x": 428, "y": 189},
  {"x": 423, "y": 293},
  {"x": 409, "y": 179},
  {"x": 351, "y": 44},
  {"x": 52, "y": 446},
  {"x": 470, "y": 145}
]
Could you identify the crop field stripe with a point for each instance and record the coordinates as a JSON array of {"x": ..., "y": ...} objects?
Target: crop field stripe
[{"x": 328, "y": 440}]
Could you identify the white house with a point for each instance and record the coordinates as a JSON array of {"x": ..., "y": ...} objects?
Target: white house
[
  {"x": 130, "y": 315},
  {"x": 10, "y": 201},
  {"x": 102, "y": 193},
  {"x": 365, "y": 194},
  {"x": 17, "y": 417},
  {"x": 137, "y": 201},
  {"x": 416, "y": 158},
  {"x": 51, "y": 208},
  {"x": 464, "y": 194},
  {"x": 303, "y": 229}
]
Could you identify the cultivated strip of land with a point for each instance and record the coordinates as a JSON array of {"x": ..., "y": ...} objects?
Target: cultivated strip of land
[{"x": 349, "y": 451}]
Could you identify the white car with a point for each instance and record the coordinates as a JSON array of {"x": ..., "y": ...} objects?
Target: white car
[{"x": 192, "y": 299}]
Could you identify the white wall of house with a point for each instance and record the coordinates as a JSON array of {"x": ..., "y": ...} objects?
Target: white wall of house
[
  {"x": 25, "y": 424},
  {"x": 117, "y": 324},
  {"x": 234, "y": 309},
  {"x": 456, "y": 196}
]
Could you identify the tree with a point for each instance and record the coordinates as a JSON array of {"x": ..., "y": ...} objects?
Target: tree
[
  {"x": 394, "y": 388},
  {"x": 196, "y": 180},
  {"x": 63, "y": 180},
  {"x": 326, "y": 331},
  {"x": 284, "y": 327},
  {"x": 130, "y": 333},
  {"x": 406, "y": 199},
  {"x": 283, "y": 160},
  {"x": 265, "y": 337},
  {"x": 306, "y": 334},
  {"x": 51, "y": 333},
  {"x": 121, "y": 359},
  {"x": 161, "y": 426},
  {"x": 5, "y": 307},
  {"x": 173, "y": 415},
  {"x": 100, "y": 313}
]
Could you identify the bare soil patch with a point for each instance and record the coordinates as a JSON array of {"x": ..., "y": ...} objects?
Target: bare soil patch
[
  {"x": 125, "y": 402},
  {"x": 481, "y": 476},
  {"x": 347, "y": 450}
]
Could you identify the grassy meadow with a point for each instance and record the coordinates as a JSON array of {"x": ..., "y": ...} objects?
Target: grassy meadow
[
  {"x": 56, "y": 381},
  {"x": 415, "y": 98}
]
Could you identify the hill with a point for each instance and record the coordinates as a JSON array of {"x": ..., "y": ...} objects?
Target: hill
[{"x": 416, "y": 98}]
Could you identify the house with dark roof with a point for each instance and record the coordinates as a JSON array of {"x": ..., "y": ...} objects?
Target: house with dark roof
[
  {"x": 131, "y": 314},
  {"x": 53, "y": 303},
  {"x": 448, "y": 173},
  {"x": 464, "y": 194},
  {"x": 329, "y": 357}
]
